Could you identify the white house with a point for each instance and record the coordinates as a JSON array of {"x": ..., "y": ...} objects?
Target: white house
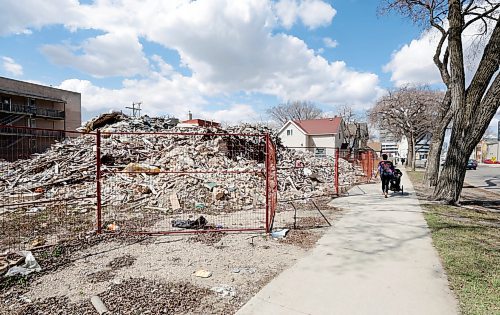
[{"x": 321, "y": 136}]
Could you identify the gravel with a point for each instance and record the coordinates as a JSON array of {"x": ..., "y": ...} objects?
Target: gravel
[
  {"x": 131, "y": 271},
  {"x": 208, "y": 238},
  {"x": 134, "y": 296}
]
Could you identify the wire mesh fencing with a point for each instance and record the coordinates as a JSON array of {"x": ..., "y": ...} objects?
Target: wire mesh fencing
[
  {"x": 47, "y": 186},
  {"x": 72, "y": 183},
  {"x": 162, "y": 183}
]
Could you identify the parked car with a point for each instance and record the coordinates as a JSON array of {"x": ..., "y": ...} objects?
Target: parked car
[
  {"x": 489, "y": 161},
  {"x": 472, "y": 164}
]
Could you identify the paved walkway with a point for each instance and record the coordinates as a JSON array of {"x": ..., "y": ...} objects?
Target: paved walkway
[{"x": 376, "y": 259}]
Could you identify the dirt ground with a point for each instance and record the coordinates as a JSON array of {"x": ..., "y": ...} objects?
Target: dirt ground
[{"x": 157, "y": 274}]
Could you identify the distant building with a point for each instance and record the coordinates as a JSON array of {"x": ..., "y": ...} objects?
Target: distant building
[
  {"x": 201, "y": 123},
  {"x": 389, "y": 143},
  {"x": 24, "y": 104},
  {"x": 357, "y": 134},
  {"x": 376, "y": 146},
  {"x": 321, "y": 136},
  {"x": 198, "y": 122},
  {"x": 491, "y": 150}
]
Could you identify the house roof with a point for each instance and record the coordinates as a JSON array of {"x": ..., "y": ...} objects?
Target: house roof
[
  {"x": 375, "y": 145},
  {"x": 322, "y": 126}
]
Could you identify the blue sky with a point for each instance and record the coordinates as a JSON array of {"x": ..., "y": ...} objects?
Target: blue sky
[{"x": 224, "y": 60}]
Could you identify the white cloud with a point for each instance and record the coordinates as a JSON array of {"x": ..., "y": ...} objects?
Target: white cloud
[
  {"x": 10, "y": 66},
  {"x": 413, "y": 63},
  {"x": 315, "y": 13},
  {"x": 312, "y": 13},
  {"x": 330, "y": 43},
  {"x": 111, "y": 54},
  {"x": 228, "y": 46},
  {"x": 230, "y": 52},
  {"x": 287, "y": 12},
  {"x": 18, "y": 16},
  {"x": 159, "y": 95},
  {"x": 235, "y": 114}
]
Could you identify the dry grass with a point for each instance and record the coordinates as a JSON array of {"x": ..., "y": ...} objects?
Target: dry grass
[{"x": 468, "y": 243}]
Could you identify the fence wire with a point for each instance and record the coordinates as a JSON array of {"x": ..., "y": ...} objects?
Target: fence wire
[
  {"x": 47, "y": 187},
  {"x": 160, "y": 183}
]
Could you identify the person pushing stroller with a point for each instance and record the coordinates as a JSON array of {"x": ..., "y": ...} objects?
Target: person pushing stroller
[{"x": 386, "y": 171}]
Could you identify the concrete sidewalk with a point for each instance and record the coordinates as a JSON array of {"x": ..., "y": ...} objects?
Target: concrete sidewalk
[{"x": 376, "y": 259}]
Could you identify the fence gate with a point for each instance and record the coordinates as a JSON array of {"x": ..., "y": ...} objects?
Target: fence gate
[{"x": 160, "y": 183}]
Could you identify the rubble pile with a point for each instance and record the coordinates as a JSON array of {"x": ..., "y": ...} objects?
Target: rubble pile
[
  {"x": 210, "y": 171},
  {"x": 303, "y": 175}
]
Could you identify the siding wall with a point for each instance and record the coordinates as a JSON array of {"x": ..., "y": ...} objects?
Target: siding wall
[
  {"x": 296, "y": 140},
  {"x": 324, "y": 141}
]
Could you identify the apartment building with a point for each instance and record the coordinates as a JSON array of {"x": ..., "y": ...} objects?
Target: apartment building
[
  {"x": 389, "y": 143},
  {"x": 24, "y": 104}
]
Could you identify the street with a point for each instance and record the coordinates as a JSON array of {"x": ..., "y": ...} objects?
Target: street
[{"x": 486, "y": 176}]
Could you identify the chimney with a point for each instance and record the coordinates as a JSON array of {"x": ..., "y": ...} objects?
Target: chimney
[{"x": 190, "y": 116}]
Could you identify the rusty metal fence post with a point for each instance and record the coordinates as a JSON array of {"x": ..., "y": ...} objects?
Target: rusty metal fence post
[
  {"x": 268, "y": 206},
  {"x": 98, "y": 182},
  {"x": 337, "y": 157},
  {"x": 271, "y": 183}
]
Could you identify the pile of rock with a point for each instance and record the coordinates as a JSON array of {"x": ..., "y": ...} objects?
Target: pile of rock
[{"x": 212, "y": 170}]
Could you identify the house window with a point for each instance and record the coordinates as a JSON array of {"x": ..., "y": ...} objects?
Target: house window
[
  {"x": 32, "y": 123},
  {"x": 289, "y": 132}
]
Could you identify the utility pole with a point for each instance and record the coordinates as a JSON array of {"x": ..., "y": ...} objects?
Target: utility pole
[{"x": 136, "y": 109}]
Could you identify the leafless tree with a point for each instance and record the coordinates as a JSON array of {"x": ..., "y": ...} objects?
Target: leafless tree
[
  {"x": 294, "y": 110},
  {"x": 409, "y": 112},
  {"x": 347, "y": 113},
  {"x": 350, "y": 118},
  {"x": 470, "y": 107}
]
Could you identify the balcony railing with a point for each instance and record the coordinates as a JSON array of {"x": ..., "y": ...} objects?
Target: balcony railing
[
  {"x": 37, "y": 111},
  {"x": 36, "y": 132}
]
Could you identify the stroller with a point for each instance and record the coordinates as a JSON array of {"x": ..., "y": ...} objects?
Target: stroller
[{"x": 395, "y": 183}]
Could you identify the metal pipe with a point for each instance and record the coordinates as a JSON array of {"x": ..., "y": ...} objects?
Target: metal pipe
[
  {"x": 98, "y": 181},
  {"x": 267, "y": 184},
  {"x": 337, "y": 156}
]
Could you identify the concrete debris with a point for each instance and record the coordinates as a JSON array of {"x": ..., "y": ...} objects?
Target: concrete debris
[
  {"x": 203, "y": 273},
  {"x": 99, "y": 306},
  {"x": 168, "y": 173},
  {"x": 225, "y": 290}
]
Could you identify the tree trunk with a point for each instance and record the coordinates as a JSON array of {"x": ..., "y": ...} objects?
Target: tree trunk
[
  {"x": 438, "y": 134},
  {"x": 409, "y": 156},
  {"x": 472, "y": 109},
  {"x": 413, "y": 151}
]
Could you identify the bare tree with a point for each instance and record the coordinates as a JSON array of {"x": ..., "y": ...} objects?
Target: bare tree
[
  {"x": 470, "y": 107},
  {"x": 409, "y": 112},
  {"x": 350, "y": 119},
  {"x": 294, "y": 110},
  {"x": 348, "y": 115}
]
